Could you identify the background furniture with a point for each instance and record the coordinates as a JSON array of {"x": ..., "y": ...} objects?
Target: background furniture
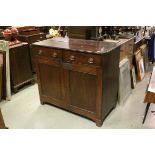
[
  {"x": 30, "y": 34},
  {"x": 5, "y": 60},
  {"x": 150, "y": 93},
  {"x": 20, "y": 66},
  {"x": 83, "y": 32}
]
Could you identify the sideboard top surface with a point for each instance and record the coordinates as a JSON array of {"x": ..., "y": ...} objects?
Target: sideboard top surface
[{"x": 81, "y": 45}]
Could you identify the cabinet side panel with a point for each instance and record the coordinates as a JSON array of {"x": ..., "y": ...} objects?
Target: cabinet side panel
[
  {"x": 20, "y": 64},
  {"x": 110, "y": 80}
]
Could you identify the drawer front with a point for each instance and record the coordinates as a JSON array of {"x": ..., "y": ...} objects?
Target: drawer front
[
  {"x": 47, "y": 52},
  {"x": 81, "y": 58},
  {"x": 36, "y": 38}
]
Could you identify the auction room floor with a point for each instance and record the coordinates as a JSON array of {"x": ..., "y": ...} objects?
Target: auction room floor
[{"x": 24, "y": 111}]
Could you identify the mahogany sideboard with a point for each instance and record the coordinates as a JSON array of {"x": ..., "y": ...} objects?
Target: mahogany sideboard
[{"x": 80, "y": 76}]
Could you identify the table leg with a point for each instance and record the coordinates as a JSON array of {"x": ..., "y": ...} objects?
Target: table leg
[{"x": 146, "y": 110}]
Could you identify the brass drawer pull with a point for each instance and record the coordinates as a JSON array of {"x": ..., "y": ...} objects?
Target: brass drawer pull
[
  {"x": 41, "y": 37},
  {"x": 91, "y": 60},
  {"x": 72, "y": 58},
  {"x": 40, "y": 52},
  {"x": 54, "y": 55}
]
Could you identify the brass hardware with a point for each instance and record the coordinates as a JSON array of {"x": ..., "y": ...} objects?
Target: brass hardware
[
  {"x": 37, "y": 40},
  {"x": 40, "y": 52},
  {"x": 91, "y": 60},
  {"x": 54, "y": 55},
  {"x": 41, "y": 37},
  {"x": 72, "y": 58}
]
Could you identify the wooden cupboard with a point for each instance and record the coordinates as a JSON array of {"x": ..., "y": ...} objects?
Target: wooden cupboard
[{"x": 79, "y": 81}]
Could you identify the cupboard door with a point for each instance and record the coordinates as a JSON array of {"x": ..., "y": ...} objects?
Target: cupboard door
[
  {"x": 85, "y": 89},
  {"x": 51, "y": 81}
]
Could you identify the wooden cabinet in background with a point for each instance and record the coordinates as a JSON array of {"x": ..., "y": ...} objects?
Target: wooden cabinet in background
[
  {"x": 31, "y": 38},
  {"x": 75, "y": 77},
  {"x": 20, "y": 65},
  {"x": 83, "y": 32}
]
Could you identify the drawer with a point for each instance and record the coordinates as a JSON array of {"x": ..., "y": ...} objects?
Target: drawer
[
  {"x": 36, "y": 38},
  {"x": 47, "y": 52},
  {"x": 81, "y": 58}
]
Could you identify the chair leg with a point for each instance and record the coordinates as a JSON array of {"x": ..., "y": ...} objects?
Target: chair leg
[{"x": 146, "y": 110}]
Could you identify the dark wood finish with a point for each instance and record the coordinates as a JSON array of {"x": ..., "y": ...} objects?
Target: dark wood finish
[
  {"x": 2, "y": 124},
  {"x": 31, "y": 38},
  {"x": 81, "y": 78},
  {"x": 82, "y": 32},
  {"x": 51, "y": 81},
  {"x": 20, "y": 66},
  {"x": 81, "y": 45},
  {"x": 3, "y": 61},
  {"x": 81, "y": 58},
  {"x": 28, "y": 30},
  {"x": 44, "y": 29}
]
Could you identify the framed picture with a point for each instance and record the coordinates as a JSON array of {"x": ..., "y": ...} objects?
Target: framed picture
[
  {"x": 144, "y": 52},
  {"x": 133, "y": 78},
  {"x": 140, "y": 69},
  {"x": 139, "y": 65}
]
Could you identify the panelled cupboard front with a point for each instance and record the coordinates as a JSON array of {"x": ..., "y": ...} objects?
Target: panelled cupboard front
[{"x": 79, "y": 82}]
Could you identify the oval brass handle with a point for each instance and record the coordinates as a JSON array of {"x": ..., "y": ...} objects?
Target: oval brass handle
[
  {"x": 54, "y": 55},
  {"x": 91, "y": 60},
  {"x": 72, "y": 58},
  {"x": 40, "y": 52},
  {"x": 41, "y": 37}
]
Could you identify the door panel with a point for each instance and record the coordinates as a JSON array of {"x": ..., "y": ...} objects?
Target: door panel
[
  {"x": 83, "y": 90},
  {"x": 51, "y": 83},
  {"x": 51, "y": 79}
]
